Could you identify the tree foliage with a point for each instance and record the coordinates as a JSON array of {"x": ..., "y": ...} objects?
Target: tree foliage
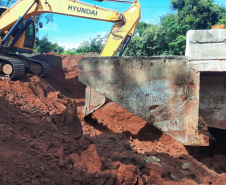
[
  {"x": 198, "y": 14},
  {"x": 44, "y": 45},
  {"x": 70, "y": 52},
  {"x": 91, "y": 45}
]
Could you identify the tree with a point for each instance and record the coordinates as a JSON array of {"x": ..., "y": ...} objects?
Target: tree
[
  {"x": 194, "y": 15},
  {"x": 44, "y": 45},
  {"x": 141, "y": 27},
  {"x": 72, "y": 51},
  {"x": 174, "y": 34},
  {"x": 151, "y": 42},
  {"x": 93, "y": 45},
  {"x": 198, "y": 14}
]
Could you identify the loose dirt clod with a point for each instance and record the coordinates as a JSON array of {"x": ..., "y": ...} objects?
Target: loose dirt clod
[{"x": 45, "y": 140}]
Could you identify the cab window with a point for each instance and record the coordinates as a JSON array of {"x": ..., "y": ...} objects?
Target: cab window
[{"x": 29, "y": 36}]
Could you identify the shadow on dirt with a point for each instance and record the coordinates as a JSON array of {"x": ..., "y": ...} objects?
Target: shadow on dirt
[
  {"x": 147, "y": 133},
  {"x": 64, "y": 75},
  {"x": 214, "y": 155},
  {"x": 94, "y": 123}
]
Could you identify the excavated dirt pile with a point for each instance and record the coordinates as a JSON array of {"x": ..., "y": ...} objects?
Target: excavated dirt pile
[{"x": 45, "y": 140}]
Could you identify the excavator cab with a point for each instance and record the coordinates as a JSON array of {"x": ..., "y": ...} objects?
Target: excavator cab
[
  {"x": 26, "y": 41},
  {"x": 2, "y": 9},
  {"x": 30, "y": 33}
]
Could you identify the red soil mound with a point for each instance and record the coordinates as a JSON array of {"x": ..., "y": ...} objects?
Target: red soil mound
[{"x": 42, "y": 140}]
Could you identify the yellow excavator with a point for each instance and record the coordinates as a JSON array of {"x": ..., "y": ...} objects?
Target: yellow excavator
[
  {"x": 18, "y": 32},
  {"x": 172, "y": 93}
]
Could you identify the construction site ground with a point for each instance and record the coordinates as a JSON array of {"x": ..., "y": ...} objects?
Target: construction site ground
[{"x": 44, "y": 138}]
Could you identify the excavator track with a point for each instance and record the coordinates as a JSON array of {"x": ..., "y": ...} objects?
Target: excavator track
[
  {"x": 18, "y": 68},
  {"x": 45, "y": 67},
  {"x": 14, "y": 66}
]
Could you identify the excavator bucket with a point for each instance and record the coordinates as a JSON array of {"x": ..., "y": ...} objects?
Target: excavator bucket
[
  {"x": 93, "y": 101},
  {"x": 182, "y": 96}
]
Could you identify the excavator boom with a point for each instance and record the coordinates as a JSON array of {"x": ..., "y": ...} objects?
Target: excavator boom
[{"x": 63, "y": 7}]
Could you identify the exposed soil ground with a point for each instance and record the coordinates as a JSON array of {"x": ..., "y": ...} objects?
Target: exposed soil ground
[{"x": 45, "y": 140}]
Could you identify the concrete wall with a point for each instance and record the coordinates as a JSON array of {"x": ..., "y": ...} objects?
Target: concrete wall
[
  {"x": 164, "y": 91},
  {"x": 206, "y": 44},
  {"x": 206, "y": 51}
]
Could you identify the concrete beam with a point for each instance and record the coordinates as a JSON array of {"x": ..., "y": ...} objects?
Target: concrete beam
[
  {"x": 164, "y": 91},
  {"x": 206, "y": 44}
]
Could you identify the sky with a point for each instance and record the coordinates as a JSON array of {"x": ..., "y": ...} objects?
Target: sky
[{"x": 70, "y": 32}]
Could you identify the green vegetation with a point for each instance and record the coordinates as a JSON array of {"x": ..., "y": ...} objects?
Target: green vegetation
[
  {"x": 93, "y": 45},
  {"x": 42, "y": 168},
  {"x": 169, "y": 36},
  {"x": 44, "y": 45}
]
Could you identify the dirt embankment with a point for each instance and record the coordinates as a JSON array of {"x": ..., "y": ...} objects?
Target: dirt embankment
[{"x": 44, "y": 141}]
